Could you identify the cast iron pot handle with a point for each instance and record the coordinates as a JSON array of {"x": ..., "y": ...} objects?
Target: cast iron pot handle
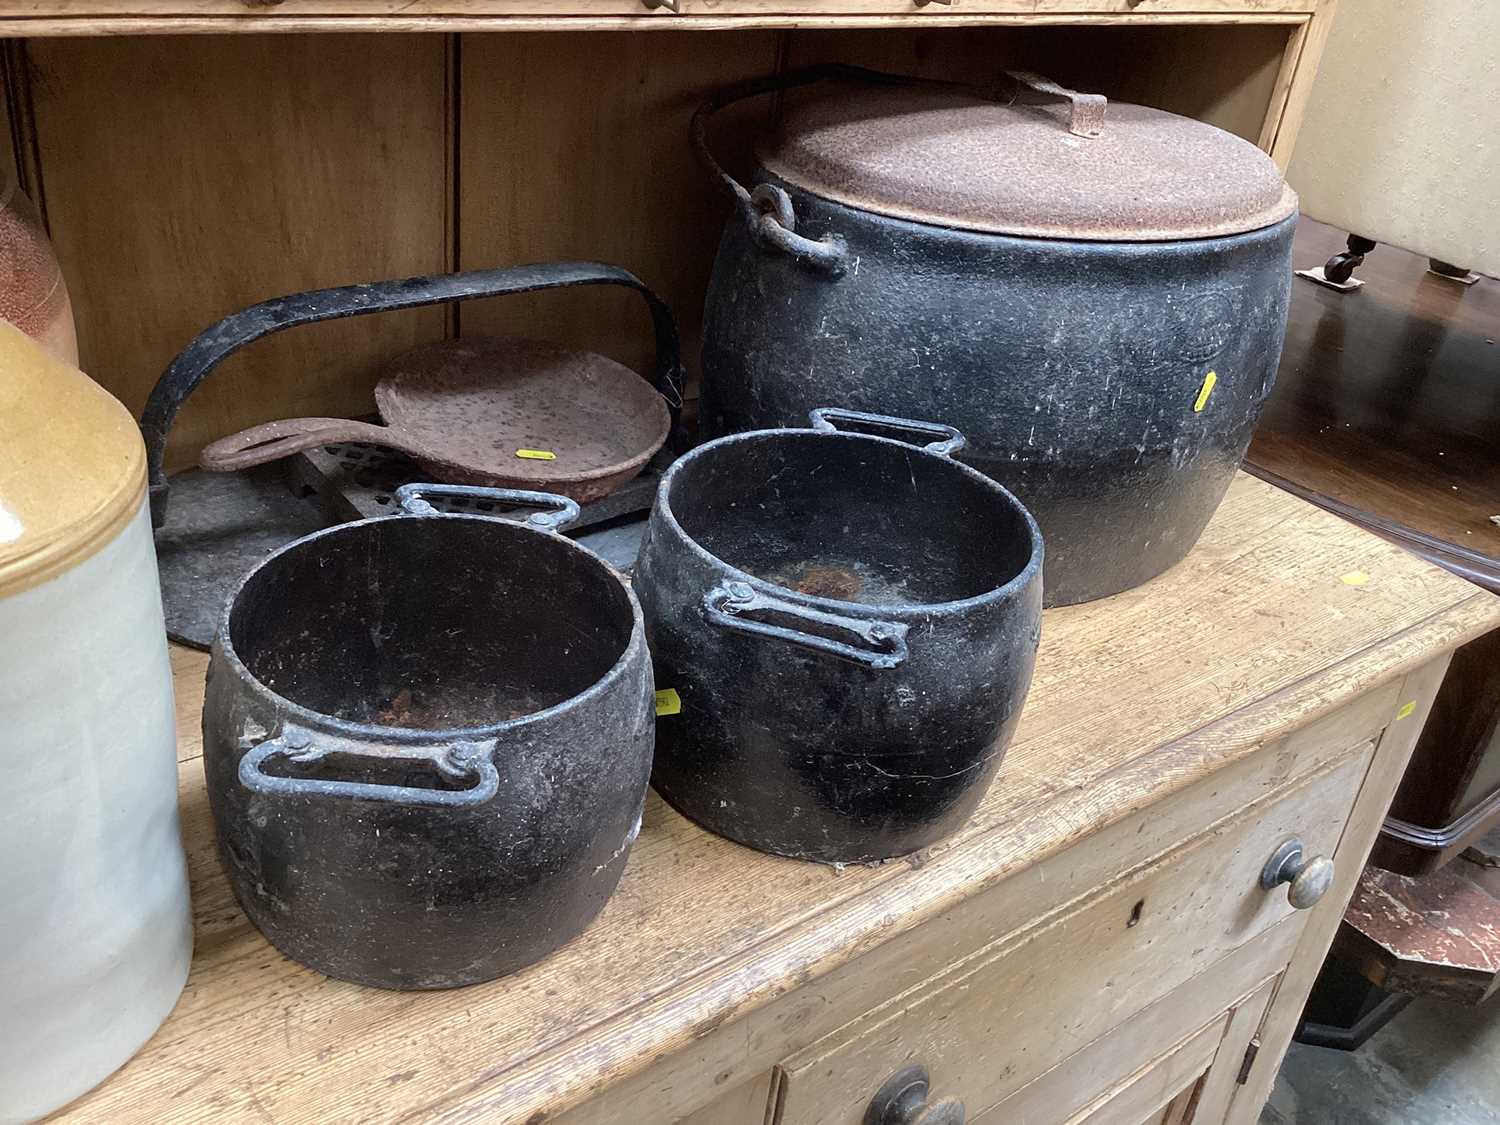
[
  {"x": 457, "y": 761},
  {"x": 215, "y": 344},
  {"x": 739, "y": 606},
  {"x": 767, "y": 209},
  {"x": 949, "y": 439},
  {"x": 563, "y": 510}
]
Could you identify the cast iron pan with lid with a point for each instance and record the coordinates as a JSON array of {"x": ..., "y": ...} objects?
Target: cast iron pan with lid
[{"x": 1095, "y": 294}]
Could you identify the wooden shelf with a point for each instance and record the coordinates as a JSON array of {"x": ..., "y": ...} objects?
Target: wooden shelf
[{"x": 95, "y": 17}]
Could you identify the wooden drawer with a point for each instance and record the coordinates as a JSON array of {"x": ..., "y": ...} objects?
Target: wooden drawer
[
  {"x": 1200, "y": 1066},
  {"x": 1000, "y": 1019},
  {"x": 1204, "y": 1062}
]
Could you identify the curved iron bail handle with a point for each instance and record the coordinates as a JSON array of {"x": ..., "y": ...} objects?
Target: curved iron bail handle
[
  {"x": 459, "y": 761},
  {"x": 563, "y": 511},
  {"x": 767, "y": 210},
  {"x": 217, "y": 343},
  {"x": 739, "y": 606},
  {"x": 949, "y": 441}
]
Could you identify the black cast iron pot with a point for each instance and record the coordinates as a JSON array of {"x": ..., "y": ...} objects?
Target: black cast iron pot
[
  {"x": 427, "y": 741},
  {"x": 1111, "y": 378},
  {"x": 849, "y": 622}
]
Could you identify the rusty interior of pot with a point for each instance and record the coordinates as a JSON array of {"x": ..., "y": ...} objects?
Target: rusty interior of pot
[
  {"x": 430, "y": 624},
  {"x": 871, "y": 522}
]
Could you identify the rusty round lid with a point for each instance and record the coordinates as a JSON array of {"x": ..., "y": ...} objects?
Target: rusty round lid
[
  {"x": 523, "y": 409},
  {"x": 1039, "y": 161}
]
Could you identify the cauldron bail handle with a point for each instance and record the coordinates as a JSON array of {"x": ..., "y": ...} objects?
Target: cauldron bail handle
[
  {"x": 767, "y": 210},
  {"x": 557, "y": 512},
  {"x": 457, "y": 761},
  {"x": 219, "y": 341},
  {"x": 949, "y": 440},
  {"x": 742, "y": 608}
]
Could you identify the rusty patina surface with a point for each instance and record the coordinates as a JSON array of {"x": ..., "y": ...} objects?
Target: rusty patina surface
[
  {"x": 498, "y": 411},
  {"x": 1434, "y": 936},
  {"x": 961, "y": 160}
]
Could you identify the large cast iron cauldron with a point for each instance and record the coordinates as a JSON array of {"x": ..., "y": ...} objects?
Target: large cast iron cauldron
[
  {"x": 849, "y": 622},
  {"x": 427, "y": 741},
  {"x": 1097, "y": 299}
]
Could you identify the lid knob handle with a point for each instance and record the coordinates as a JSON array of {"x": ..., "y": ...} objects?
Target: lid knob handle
[{"x": 1087, "y": 116}]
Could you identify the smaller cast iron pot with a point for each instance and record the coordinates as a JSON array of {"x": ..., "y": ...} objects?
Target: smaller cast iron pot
[
  {"x": 427, "y": 740},
  {"x": 849, "y": 622}
]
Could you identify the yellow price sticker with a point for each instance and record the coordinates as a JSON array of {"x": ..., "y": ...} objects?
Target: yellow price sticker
[
  {"x": 536, "y": 455},
  {"x": 1354, "y": 578},
  {"x": 668, "y": 702},
  {"x": 1204, "y": 391},
  {"x": 1406, "y": 709}
]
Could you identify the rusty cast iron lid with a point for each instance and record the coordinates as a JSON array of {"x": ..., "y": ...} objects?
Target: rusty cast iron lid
[{"x": 1071, "y": 166}]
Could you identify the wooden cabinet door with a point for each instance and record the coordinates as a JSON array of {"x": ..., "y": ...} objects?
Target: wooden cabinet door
[{"x": 1193, "y": 1080}]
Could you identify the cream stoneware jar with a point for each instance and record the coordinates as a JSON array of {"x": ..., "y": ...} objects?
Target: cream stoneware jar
[{"x": 95, "y": 931}]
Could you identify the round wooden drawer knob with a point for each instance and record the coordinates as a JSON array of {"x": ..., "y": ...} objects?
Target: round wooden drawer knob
[
  {"x": 1308, "y": 879},
  {"x": 903, "y": 1101}
]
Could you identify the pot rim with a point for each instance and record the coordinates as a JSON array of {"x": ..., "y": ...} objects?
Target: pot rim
[
  {"x": 910, "y": 610},
  {"x": 1152, "y": 243},
  {"x": 411, "y": 736}
]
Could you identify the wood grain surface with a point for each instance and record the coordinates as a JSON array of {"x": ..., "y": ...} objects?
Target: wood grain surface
[
  {"x": 576, "y": 146},
  {"x": 1294, "y": 83},
  {"x": 1137, "y": 1048},
  {"x": 1197, "y": 905},
  {"x": 1253, "y": 635},
  {"x": 1456, "y": 764},
  {"x": 1389, "y": 398},
  {"x": 1418, "y": 687},
  {"x": 1220, "y": 74},
  {"x": 187, "y": 179},
  {"x": 97, "y": 17},
  {"x": 1027, "y": 900}
]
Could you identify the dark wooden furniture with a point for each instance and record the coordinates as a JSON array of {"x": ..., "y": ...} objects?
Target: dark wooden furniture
[
  {"x": 1438, "y": 935},
  {"x": 1387, "y": 404},
  {"x": 1450, "y": 795}
]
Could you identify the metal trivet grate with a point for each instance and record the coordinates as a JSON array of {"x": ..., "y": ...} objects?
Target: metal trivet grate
[
  {"x": 358, "y": 481},
  {"x": 219, "y": 525}
]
